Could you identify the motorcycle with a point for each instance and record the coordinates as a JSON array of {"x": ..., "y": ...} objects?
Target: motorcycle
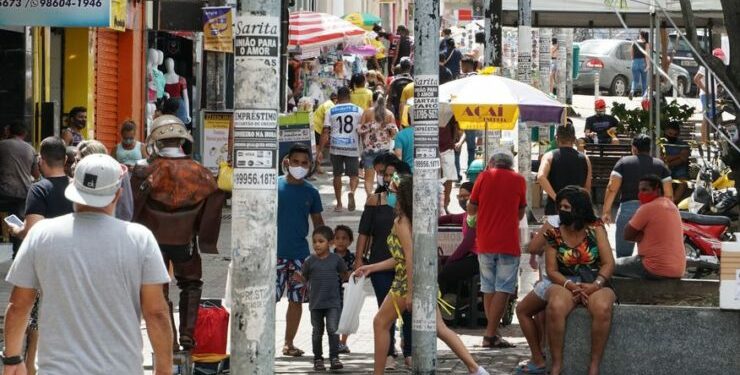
[
  {"x": 713, "y": 193},
  {"x": 703, "y": 237}
]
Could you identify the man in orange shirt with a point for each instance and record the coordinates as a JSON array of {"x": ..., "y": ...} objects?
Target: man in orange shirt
[{"x": 656, "y": 227}]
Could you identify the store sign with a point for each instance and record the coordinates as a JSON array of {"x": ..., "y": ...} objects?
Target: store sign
[
  {"x": 218, "y": 35},
  {"x": 62, "y": 13},
  {"x": 464, "y": 14},
  {"x": 216, "y": 129},
  {"x": 294, "y": 128},
  {"x": 118, "y": 14}
]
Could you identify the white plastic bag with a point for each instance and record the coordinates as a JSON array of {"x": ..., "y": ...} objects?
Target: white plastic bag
[{"x": 354, "y": 298}]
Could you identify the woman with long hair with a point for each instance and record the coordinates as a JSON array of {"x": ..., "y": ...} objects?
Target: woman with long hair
[
  {"x": 399, "y": 299},
  {"x": 579, "y": 265},
  {"x": 377, "y": 130}
]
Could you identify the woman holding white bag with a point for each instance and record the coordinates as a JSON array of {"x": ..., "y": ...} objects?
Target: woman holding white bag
[{"x": 400, "y": 297}]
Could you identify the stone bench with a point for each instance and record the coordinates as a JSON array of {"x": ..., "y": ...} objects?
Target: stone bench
[
  {"x": 651, "y": 339},
  {"x": 686, "y": 292}
]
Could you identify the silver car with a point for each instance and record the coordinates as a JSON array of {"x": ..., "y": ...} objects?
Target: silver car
[{"x": 616, "y": 74}]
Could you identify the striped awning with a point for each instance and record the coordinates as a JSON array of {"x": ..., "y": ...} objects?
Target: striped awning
[{"x": 310, "y": 30}]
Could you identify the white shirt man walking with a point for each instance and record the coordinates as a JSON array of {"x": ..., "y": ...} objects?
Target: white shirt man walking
[{"x": 98, "y": 275}]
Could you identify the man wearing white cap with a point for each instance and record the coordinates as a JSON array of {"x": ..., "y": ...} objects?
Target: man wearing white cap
[{"x": 98, "y": 276}]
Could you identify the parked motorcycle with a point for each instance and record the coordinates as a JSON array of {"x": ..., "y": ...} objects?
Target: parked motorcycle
[
  {"x": 714, "y": 191},
  {"x": 703, "y": 237}
]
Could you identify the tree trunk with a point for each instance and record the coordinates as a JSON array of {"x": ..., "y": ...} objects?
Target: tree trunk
[{"x": 730, "y": 75}]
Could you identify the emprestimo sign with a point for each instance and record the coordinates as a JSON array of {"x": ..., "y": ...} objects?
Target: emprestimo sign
[{"x": 62, "y": 13}]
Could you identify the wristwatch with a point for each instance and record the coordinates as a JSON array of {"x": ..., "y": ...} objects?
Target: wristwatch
[{"x": 11, "y": 361}]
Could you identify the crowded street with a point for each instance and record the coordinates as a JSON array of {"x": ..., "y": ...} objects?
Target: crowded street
[{"x": 369, "y": 187}]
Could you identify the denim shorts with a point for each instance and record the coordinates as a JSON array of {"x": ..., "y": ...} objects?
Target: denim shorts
[
  {"x": 498, "y": 273},
  {"x": 706, "y": 106},
  {"x": 368, "y": 157},
  {"x": 542, "y": 286}
]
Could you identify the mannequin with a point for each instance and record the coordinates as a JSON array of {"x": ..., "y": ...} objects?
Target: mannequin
[
  {"x": 151, "y": 87},
  {"x": 159, "y": 76},
  {"x": 177, "y": 88}
]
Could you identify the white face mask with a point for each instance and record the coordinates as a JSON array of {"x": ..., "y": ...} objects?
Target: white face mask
[
  {"x": 297, "y": 172},
  {"x": 379, "y": 179}
]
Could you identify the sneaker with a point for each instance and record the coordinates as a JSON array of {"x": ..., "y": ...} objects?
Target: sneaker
[
  {"x": 343, "y": 349},
  {"x": 481, "y": 371},
  {"x": 336, "y": 364},
  {"x": 318, "y": 365}
]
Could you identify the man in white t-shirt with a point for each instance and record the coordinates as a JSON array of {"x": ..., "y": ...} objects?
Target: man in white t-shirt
[
  {"x": 340, "y": 132},
  {"x": 706, "y": 97},
  {"x": 98, "y": 275}
]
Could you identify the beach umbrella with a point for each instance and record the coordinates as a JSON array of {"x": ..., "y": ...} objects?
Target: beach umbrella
[
  {"x": 363, "y": 20},
  {"x": 489, "y": 102},
  {"x": 312, "y": 30}
]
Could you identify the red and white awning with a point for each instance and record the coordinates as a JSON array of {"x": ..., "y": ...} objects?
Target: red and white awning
[{"x": 311, "y": 30}]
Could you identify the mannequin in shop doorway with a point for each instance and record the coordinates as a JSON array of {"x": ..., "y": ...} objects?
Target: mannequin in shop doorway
[
  {"x": 152, "y": 85},
  {"x": 177, "y": 88}
]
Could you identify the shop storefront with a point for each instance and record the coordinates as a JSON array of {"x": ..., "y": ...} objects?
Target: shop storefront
[{"x": 70, "y": 56}]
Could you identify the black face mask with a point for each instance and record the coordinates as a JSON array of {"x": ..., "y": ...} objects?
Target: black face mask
[
  {"x": 463, "y": 203},
  {"x": 568, "y": 218}
]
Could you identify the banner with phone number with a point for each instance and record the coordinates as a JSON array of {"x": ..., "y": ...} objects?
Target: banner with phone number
[{"x": 63, "y": 13}]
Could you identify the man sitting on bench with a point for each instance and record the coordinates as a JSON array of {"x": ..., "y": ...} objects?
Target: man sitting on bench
[
  {"x": 601, "y": 128},
  {"x": 656, "y": 227},
  {"x": 676, "y": 154}
]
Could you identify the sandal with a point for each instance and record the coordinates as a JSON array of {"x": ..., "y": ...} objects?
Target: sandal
[
  {"x": 292, "y": 351},
  {"x": 496, "y": 342},
  {"x": 530, "y": 368},
  {"x": 351, "y": 202},
  {"x": 318, "y": 365}
]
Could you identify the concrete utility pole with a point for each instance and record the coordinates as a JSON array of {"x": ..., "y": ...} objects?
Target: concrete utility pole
[
  {"x": 562, "y": 74},
  {"x": 254, "y": 199},
  {"x": 426, "y": 185},
  {"x": 545, "y": 42},
  {"x": 524, "y": 74},
  {"x": 492, "y": 23},
  {"x": 493, "y": 57}
]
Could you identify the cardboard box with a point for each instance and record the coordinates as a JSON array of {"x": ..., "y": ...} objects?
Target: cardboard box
[{"x": 729, "y": 284}]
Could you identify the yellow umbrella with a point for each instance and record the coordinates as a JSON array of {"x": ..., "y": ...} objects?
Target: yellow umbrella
[{"x": 363, "y": 20}]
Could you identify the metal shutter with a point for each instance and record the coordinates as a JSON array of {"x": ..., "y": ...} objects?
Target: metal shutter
[{"x": 106, "y": 87}]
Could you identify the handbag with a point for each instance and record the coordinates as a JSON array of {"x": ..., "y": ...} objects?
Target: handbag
[
  {"x": 225, "y": 176},
  {"x": 211, "y": 332}
]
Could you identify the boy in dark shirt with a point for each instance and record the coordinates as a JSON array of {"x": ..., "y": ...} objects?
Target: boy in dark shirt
[{"x": 321, "y": 271}]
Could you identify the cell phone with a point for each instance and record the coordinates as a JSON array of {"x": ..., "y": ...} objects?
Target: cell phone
[{"x": 13, "y": 220}]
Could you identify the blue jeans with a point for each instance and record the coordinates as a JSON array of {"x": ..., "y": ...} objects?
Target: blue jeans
[
  {"x": 470, "y": 136},
  {"x": 625, "y": 213},
  {"x": 382, "y": 285},
  {"x": 639, "y": 75},
  {"x": 328, "y": 318}
]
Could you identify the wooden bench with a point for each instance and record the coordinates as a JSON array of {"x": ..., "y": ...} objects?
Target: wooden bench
[{"x": 603, "y": 157}]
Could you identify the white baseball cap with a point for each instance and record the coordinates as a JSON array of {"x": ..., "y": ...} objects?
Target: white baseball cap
[{"x": 96, "y": 181}]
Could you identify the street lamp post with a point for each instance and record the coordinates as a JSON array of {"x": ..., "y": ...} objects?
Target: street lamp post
[
  {"x": 426, "y": 185},
  {"x": 254, "y": 198}
]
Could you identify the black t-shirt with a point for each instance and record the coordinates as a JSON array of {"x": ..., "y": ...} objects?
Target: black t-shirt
[
  {"x": 445, "y": 75},
  {"x": 46, "y": 198},
  {"x": 568, "y": 167},
  {"x": 632, "y": 168},
  {"x": 377, "y": 222},
  {"x": 404, "y": 47},
  {"x": 600, "y": 124}
]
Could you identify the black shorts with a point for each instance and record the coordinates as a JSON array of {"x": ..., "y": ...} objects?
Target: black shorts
[{"x": 345, "y": 165}]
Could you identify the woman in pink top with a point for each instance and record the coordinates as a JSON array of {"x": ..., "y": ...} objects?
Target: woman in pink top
[{"x": 377, "y": 129}]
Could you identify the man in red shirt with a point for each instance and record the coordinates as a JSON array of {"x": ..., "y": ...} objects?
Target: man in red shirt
[
  {"x": 496, "y": 206},
  {"x": 656, "y": 227}
]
